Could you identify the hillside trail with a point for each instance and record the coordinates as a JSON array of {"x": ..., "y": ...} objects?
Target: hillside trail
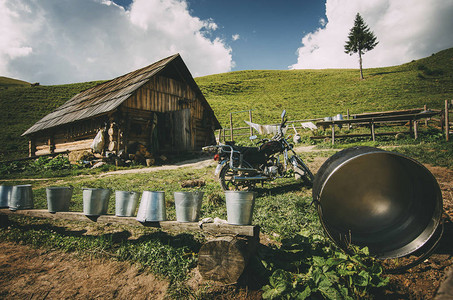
[{"x": 196, "y": 163}]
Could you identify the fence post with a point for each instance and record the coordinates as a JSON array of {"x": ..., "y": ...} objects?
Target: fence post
[
  {"x": 447, "y": 127},
  {"x": 250, "y": 118},
  {"x": 220, "y": 135},
  {"x": 231, "y": 126},
  {"x": 425, "y": 108},
  {"x": 349, "y": 124}
]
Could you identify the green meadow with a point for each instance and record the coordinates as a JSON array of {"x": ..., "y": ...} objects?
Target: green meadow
[{"x": 304, "y": 94}]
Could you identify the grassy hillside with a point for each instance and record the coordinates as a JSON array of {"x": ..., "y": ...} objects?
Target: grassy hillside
[
  {"x": 303, "y": 93},
  {"x": 320, "y": 93},
  {"x": 21, "y": 106},
  {"x": 6, "y": 83}
]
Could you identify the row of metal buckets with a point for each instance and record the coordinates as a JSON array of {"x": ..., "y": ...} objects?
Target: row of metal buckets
[{"x": 152, "y": 207}]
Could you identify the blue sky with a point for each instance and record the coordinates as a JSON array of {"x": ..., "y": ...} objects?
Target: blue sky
[
  {"x": 269, "y": 31},
  {"x": 67, "y": 41},
  {"x": 265, "y": 34}
]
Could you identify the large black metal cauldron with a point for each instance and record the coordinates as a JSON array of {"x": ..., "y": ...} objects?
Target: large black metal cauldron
[{"x": 380, "y": 199}]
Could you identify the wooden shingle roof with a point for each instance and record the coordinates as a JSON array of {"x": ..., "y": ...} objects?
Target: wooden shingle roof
[{"x": 107, "y": 96}]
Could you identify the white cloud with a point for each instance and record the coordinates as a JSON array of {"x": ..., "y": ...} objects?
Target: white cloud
[
  {"x": 63, "y": 41},
  {"x": 405, "y": 29},
  {"x": 235, "y": 37}
]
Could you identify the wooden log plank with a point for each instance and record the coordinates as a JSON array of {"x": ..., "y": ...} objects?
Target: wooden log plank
[
  {"x": 211, "y": 228},
  {"x": 223, "y": 259}
]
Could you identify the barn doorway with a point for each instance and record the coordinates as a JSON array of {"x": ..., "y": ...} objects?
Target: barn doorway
[{"x": 175, "y": 134}]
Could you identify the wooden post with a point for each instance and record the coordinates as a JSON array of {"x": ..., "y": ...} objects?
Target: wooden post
[
  {"x": 447, "y": 127},
  {"x": 220, "y": 135},
  {"x": 51, "y": 144},
  {"x": 425, "y": 108},
  {"x": 373, "y": 135},
  {"x": 250, "y": 118},
  {"x": 31, "y": 147},
  {"x": 333, "y": 134},
  {"x": 415, "y": 129},
  {"x": 231, "y": 126},
  {"x": 348, "y": 116}
]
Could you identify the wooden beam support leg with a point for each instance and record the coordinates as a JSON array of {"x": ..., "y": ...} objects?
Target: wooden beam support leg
[
  {"x": 447, "y": 127},
  {"x": 333, "y": 134},
  {"x": 373, "y": 134}
]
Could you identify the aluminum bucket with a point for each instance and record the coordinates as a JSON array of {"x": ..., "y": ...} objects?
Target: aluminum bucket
[
  {"x": 152, "y": 207},
  {"x": 21, "y": 197},
  {"x": 239, "y": 206},
  {"x": 188, "y": 206},
  {"x": 383, "y": 200},
  {"x": 58, "y": 198},
  {"x": 5, "y": 195},
  {"x": 125, "y": 203},
  {"x": 95, "y": 201}
]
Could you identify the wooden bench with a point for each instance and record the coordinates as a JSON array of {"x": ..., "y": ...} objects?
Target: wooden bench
[{"x": 371, "y": 121}]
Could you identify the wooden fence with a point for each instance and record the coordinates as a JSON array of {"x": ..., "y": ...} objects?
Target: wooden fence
[{"x": 410, "y": 117}]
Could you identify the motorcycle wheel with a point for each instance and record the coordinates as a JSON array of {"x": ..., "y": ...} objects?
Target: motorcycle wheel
[
  {"x": 227, "y": 182},
  {"x": 304, "y": 172}
]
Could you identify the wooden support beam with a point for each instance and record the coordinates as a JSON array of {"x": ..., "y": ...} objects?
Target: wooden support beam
[
  {"x": 348, "y": 116},
  {"x": 333, "y": 134},
  {"x": 250, "y": 119},
  {"x": 447, "y": 125},
  {"x": 31, "y": 147},
  {"x": 373, "y": 135},
  {"x": 231, "y": 127},
  {"x": 425, "y": 108},
  {"x": 415, "y": 129}
]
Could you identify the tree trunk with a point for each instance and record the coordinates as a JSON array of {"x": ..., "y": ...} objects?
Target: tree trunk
[
  {"x": 224, "y": 259},
  {"x": 360, "y": 62}
]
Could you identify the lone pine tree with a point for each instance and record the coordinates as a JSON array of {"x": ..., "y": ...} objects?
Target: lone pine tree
[{"x": 360, "y": 40}]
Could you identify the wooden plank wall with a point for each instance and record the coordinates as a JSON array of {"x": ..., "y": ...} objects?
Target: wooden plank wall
[
  {"x": 160, "y": 94},
  {"x": 72, "y": 137},
  {"x": 163, "y": 94}
]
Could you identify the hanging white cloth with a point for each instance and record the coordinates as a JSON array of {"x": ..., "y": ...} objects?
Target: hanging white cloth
[
  {"x": 265, "y": 129},
  {"x": 309, "y": 125}
]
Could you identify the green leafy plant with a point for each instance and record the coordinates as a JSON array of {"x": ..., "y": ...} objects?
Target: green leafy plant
[{"x": 324, "y": 271}]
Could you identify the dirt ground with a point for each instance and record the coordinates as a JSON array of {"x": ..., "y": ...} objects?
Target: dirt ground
[
  {"x": 27, "y": 273},
  {"x": 423, "y": 280}
]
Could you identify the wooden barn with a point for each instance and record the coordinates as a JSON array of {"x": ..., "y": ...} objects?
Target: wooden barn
[{"x": 159, "y": 106}]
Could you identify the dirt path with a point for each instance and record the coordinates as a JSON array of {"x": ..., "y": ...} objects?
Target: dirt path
[{"x": 27, "y": 273}]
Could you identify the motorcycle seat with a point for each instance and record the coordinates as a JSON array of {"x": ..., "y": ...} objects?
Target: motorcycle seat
[{"x": 251, "y": 154}]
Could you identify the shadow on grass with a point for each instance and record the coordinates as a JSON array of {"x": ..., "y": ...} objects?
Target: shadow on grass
[{"x": 282, "y": 189}]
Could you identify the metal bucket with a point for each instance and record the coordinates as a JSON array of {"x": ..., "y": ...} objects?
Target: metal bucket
[
  {"x": 152, "y": 207},
  {"x": 21, "y": 197},
  {"x": 125, "y": 203},
  {"x": 5, "y": 195},
  {"x": 58, "y": 198},
  {"x": 188, "y": 206},
  {"x": 95, "y": 201},
  {"x": 239, "y": 206},
  {"x": 383, "y": 200}
]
